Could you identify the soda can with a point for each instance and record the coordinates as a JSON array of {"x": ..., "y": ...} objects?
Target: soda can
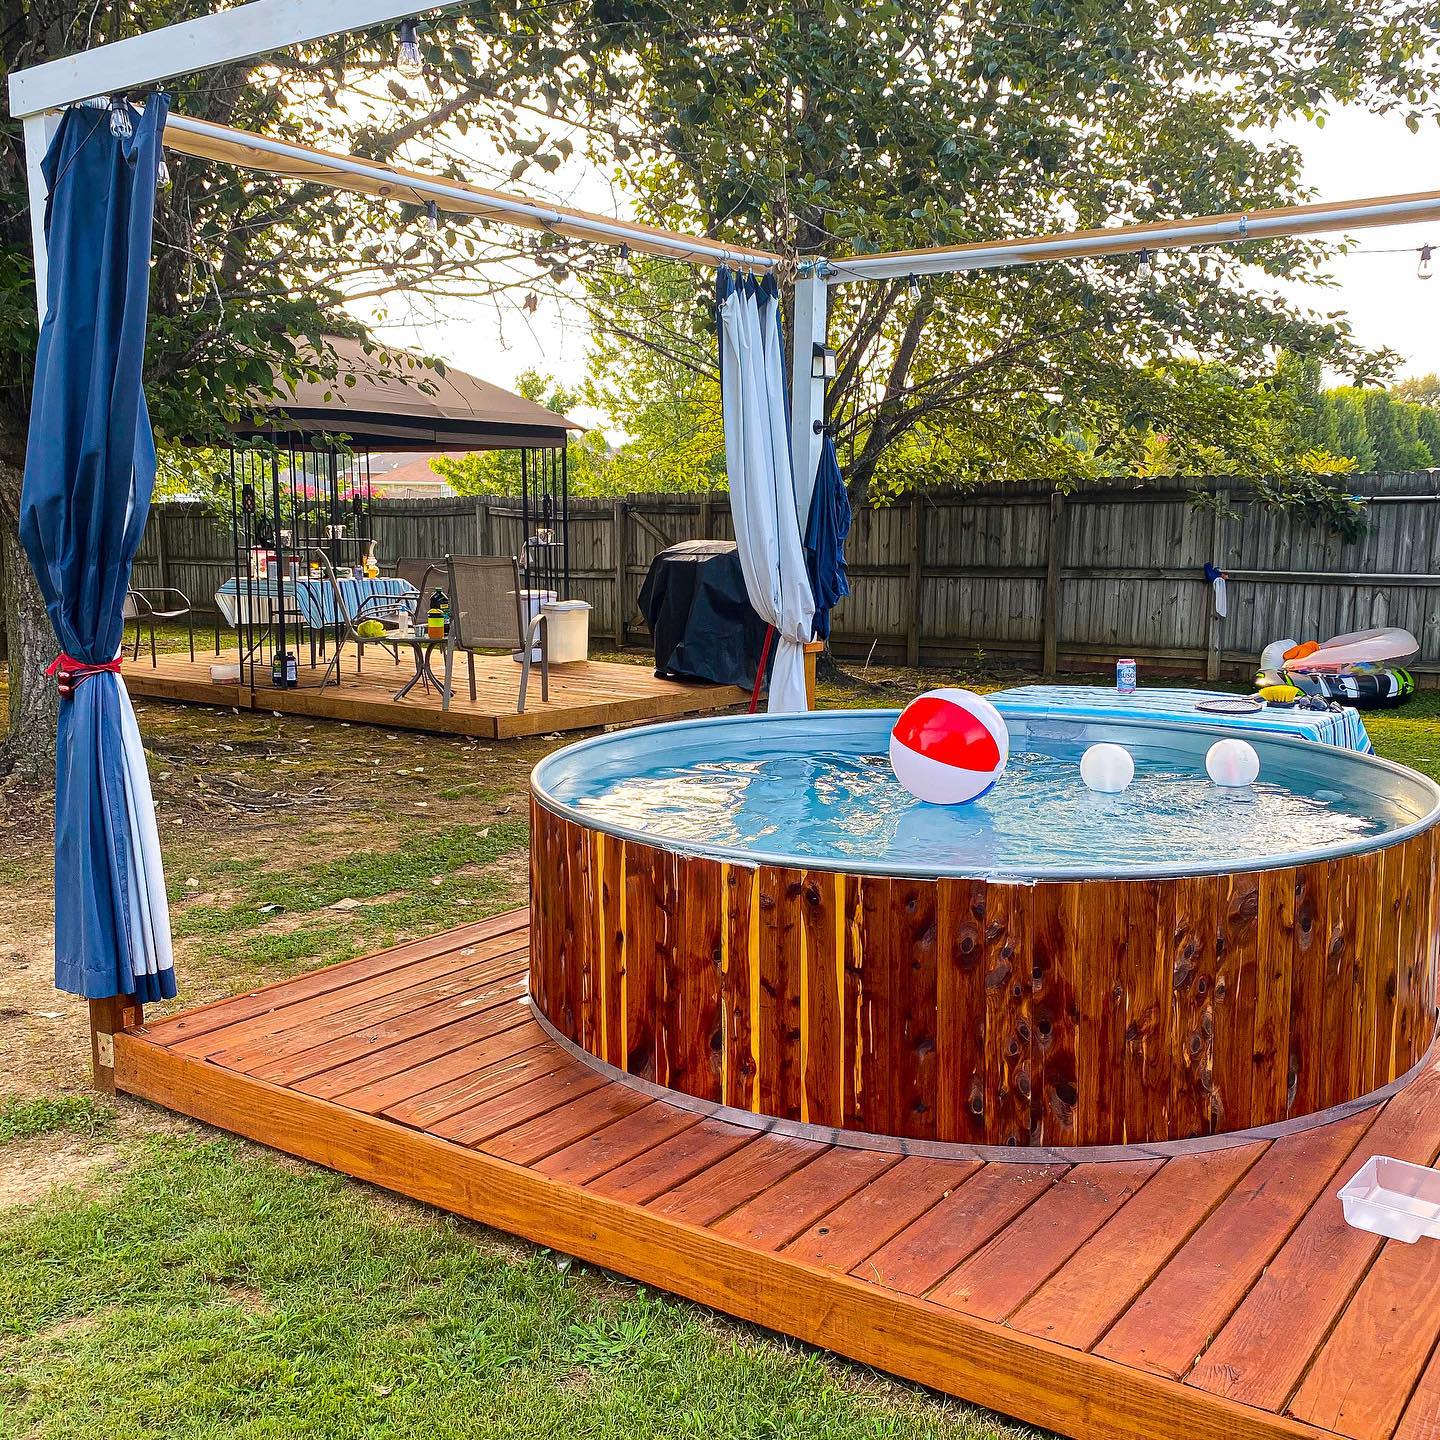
[{"x": 1125, "y": 676}]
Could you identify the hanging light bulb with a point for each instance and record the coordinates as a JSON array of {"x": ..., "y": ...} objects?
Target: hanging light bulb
[
  {"x": 432, "y": 218},
  {"x": 1144, "y": 270},
  {"x": 120, "y": 125},
  {"x": 912, "y": 287},
  {"x": 407, "y": 58},
  {"x": 623, "y": 264},
  {"x": 1424, "y": 270},
  {"x": 162, "y": 175}
]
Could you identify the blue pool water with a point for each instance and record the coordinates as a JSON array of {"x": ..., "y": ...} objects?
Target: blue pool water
[
  {"x": 818, "y": 789},
  {"x": 1039, "y": 814}
]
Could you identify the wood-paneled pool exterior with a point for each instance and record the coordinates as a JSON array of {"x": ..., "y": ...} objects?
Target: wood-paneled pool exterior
[{"x": 1053, "y": 1013}]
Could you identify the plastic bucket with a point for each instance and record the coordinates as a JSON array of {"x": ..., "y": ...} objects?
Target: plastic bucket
[{"x": 567, "y": 627}]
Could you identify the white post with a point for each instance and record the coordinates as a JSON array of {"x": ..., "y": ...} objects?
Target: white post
[
  {"x": 39, "y": 131},
  {"x": 807, "y": 393}
]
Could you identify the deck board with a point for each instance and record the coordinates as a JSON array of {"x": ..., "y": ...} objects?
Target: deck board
[
  {"x": 1212, "y": 1295},
  {"x": 582, "y": 696}
]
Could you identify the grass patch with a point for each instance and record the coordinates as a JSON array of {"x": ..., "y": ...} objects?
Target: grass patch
[
  {"x": 26, "y": 1118},
  {"x": 216, "y": 1292},
  {"x": 289, "y": 916}
]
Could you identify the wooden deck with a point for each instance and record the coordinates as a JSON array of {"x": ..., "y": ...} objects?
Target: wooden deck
[
  {"x": 1213, "y": 1294},
  {"x": 582, "y": 696}
]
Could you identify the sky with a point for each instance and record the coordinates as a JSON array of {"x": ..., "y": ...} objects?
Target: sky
[{"x": 1355, "y": 155}]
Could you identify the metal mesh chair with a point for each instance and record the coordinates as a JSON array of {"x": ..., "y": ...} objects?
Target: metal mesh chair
[
  {"x": 426, "y": 576},
  {"x": 163, "y": 603},
  {"x": 348, "y": 617},
  {"x": 487, "y": 613}
]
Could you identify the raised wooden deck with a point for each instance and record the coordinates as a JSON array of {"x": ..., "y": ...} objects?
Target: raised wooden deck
[
  {"x": 1213, "y": 1294},
  {"x": 582, "y": 696}
]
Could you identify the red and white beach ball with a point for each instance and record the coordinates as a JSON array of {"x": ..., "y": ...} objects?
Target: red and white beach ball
[{"x": 949, "y": 747}]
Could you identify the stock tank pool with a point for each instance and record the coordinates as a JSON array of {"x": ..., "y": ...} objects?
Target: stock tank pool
[{"x": 751, "y": 912}]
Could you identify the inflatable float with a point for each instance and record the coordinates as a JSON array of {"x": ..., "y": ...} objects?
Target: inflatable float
[{"x": 1350, "y": 669}]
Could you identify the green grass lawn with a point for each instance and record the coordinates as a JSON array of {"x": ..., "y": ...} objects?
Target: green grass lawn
[
  {"x": 210, "y": 1290},
  {"x": 182, "y": 1285}
]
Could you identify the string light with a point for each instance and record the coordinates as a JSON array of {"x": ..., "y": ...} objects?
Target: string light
[
  {"x": 120, "y": 125},
  {"x": 622, "y": 261},
  {"x": 432, "y": 218},
  {"x": 1423, "y": 270},
  {"x": 912, "y": 287},
  {"x": 1144, "y": 270},
  {"x": 162, "y": 175},
  {"x": 408, "y": 59}
]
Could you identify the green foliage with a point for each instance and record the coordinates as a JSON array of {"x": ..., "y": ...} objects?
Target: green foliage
[
  {"x": 851, "y": 128},
  {"x": 26, "y": 1118},
  {"x": 1376, "y": 430}
]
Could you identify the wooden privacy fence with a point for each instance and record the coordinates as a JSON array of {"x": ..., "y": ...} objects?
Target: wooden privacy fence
[{"x": 1018, "y": 574}]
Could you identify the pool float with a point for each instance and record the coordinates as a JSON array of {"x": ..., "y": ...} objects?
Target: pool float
[{"x": 1351, "y": 669}]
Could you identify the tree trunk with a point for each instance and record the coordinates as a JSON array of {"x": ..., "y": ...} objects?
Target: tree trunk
[{"x": 29, "y": 750}]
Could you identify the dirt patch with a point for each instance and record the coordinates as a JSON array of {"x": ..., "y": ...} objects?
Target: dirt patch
[{"x": 29, "y": 1170}]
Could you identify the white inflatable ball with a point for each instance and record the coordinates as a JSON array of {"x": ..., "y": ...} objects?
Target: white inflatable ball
[
  {"x": 949, "y": 747},
  {"x": 1232, "y": 763},
  {"x": 1107, "y": 768}
]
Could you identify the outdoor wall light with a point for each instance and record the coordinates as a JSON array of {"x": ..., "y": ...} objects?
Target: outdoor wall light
[
  {"x": 822, "y": 363},
  {"x": 1424, "y": 270},
  {"x": 407, "y": 58}
]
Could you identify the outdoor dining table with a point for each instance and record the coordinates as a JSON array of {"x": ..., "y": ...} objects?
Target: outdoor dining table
[{"x": 242, "y": 600}]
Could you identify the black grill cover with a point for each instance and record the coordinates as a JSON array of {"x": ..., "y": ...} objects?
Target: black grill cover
[{"x": 695, "y": 604}]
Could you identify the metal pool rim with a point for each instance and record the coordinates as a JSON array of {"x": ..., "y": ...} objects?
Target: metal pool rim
[{"x": 819, "y": 723}]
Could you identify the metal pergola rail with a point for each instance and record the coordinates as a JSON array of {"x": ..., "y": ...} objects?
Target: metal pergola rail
[{"x": 263, "y": 27}]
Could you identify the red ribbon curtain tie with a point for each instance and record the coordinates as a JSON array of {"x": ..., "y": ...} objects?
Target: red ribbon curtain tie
[{"x": 68, "y": 672}]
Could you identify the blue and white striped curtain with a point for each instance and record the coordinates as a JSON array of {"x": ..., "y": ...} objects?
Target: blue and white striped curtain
[{"x": 89, "y": 471}]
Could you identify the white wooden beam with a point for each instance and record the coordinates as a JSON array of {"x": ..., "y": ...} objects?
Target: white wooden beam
[
  {"x": 39, "y": 131},
  {"x": 240, "y": 33},
  {"x": 1156, "y": 235},
  {"x": 807, "y": 393}
]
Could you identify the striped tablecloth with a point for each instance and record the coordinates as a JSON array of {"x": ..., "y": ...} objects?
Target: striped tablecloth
[
  {"x": 1343, "y": 728},
  {"x": 313, "y": 599}
]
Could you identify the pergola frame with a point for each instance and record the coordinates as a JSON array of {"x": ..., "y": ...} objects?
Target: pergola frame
[{"x": 262, "y": 27}]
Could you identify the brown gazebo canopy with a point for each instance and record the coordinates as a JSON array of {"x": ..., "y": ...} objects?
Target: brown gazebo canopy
[{"x": 406, "y": 408}]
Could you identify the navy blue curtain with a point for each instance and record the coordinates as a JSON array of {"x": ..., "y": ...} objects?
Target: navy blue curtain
[
  {"x": 825, "y": 534},
  {"x": 89, "y": 472}
]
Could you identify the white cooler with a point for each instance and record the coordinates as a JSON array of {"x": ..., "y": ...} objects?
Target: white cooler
[{"x": 567, "y": 631}]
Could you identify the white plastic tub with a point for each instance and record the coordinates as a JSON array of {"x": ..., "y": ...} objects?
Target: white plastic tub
[
  {"x": 567, "y": 625},
  {"x": 223, "y": 674},
  {"x": 1393, "y": 1198}
]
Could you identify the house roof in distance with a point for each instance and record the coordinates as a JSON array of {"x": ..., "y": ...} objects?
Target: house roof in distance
[{"x": 406, "y": 406}]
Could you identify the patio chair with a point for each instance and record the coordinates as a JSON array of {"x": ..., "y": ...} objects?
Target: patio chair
[
  {"x": 162, "y": 603},
  {"x": 347, "y": 617},
  {"x": 426, "y": 576},
  {"x": 486, "y": 613}
]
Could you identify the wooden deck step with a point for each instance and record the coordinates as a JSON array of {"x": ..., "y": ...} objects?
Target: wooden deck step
[{"x": 582, "y": 696}]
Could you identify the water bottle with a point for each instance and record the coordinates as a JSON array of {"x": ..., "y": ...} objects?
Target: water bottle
[{"x": 1125, "y": 676}]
